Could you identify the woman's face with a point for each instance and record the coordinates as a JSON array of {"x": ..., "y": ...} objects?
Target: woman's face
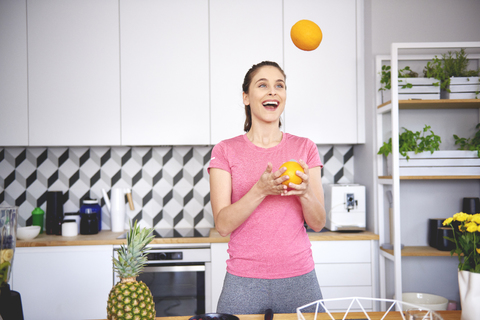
[{"x": 266, "y": 95}]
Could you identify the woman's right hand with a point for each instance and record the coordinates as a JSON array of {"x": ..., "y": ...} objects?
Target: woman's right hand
[{"x": 270, "y": 183}]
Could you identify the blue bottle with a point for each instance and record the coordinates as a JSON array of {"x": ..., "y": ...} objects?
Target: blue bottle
[{"x": 92, "y": 206}]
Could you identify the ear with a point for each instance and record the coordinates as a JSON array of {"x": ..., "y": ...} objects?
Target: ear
[{"x": 246, "y": 100}]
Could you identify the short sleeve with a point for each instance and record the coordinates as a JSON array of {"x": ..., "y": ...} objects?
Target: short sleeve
[
  {"x": 219, "y": 158},
  {"x": 313, "y": 155}
]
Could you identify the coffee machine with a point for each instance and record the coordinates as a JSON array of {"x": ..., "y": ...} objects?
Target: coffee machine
[{"x": 345, "y": 207}]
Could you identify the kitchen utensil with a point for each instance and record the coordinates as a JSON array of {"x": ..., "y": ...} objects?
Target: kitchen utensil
[
  {"x": 89, "y": 223},
  {"x": 27, "y": 233},
  {"x": 91, "y": 205},
  {"x": 425, "y": 300},
  {"x": 54, "y": 217},
  {"x": 73, "y": 216},
  {"x": 38, "y": 216},
  {"x": 214, "y": 316},
  {"x": 421, "y": 314},
  {"x": 117, "y": 207},
  {"x": 471, "y": 205}
]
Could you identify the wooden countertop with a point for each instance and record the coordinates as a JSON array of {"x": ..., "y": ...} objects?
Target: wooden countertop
[
  {"x": 106, "y": 237},
  {"x": 393, "y": 315}
]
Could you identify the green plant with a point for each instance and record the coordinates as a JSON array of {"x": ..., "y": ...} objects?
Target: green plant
[
  {"x": 413, "y": 141},
  {"x": 451, "y": 64},
  {"x": 472, "y": 144},
  {"x": 386, "y": 79},
  {"x": 466, "y": 236}
]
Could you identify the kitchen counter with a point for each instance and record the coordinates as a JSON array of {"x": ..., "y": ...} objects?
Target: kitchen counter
[
  {"x": 446, "y": 315},
  {"x": 106, "y": 237}
]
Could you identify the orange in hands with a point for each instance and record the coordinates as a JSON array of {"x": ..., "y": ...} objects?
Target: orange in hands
[{"x": 292, "y": 168}]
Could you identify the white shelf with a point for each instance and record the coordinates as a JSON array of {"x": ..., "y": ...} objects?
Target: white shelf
[{"x": 392, "y": 182}]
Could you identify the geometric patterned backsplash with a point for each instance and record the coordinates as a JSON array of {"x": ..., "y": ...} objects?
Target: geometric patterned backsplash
[{"x": 170, "y": 185}]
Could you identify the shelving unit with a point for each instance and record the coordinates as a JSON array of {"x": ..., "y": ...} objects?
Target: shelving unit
[{"x": 393, "y": 182}]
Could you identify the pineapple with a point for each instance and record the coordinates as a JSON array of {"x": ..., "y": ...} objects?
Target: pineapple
[{"x": 129, "y": 298}]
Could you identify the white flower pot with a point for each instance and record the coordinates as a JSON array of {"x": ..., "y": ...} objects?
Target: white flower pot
[
  {"x": 463, "y": 88},
  {"x": 422, "y": 88},
  {"x": 469, "y": 286},
  {"x": 440, "y": 163}
]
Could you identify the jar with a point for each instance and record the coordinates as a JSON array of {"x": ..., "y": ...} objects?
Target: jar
[
  {"x": 92, "y": 206},
  {"x": 89, "y": 223},
  {"x": 69, "y": 228}
]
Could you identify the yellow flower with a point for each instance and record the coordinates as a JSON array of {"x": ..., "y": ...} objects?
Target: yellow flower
[
  {"x": 478, "y": 250},
  {"x": 461, "y": 216},
  {"x": 476, "y": 218},
  {"x": 7, "y": 255},
  {"x": 447, "y": 221},
  {"x": 471, "y": 227}
]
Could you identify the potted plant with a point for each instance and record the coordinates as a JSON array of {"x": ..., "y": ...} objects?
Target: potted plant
[
  {"x": 454, "y": 78},
  {"x": 472, "y": 144},
  {"x": 466, "y": 237},
  {"x": 409, "y": 85}
]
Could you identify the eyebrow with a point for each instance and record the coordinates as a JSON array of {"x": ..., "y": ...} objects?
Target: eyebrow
[{"x": 265, "y": 79}]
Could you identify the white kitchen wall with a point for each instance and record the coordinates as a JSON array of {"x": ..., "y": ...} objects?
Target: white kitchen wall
[{"x": 417, "y": 21}]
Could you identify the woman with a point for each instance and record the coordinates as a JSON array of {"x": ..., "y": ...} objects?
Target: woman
[{"x": 271, "y": 264}]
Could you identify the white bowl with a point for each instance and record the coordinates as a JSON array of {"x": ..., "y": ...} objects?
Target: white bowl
[
  {"x": 426, "y": 300},
  {"x": 27, "y": 233}
]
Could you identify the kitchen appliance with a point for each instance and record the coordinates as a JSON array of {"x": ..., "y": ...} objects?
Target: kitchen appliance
[
  {"x": 117, "y": 207},
  {"x": 175, "y": 274},
  {"x": 345, "y": 207},
  {"x": 10, "y": 301},
  {"x": 54, "y": 217}
]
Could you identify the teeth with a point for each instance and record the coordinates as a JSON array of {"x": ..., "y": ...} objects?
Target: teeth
[{"x": 273, "y": 103}]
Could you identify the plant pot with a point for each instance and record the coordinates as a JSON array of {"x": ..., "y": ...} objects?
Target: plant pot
[
  {"x": 461, "y": 88},
  {"x": 422, "y": 89},
  {"x": 441, "y": 163},
  {"x": 469, "y": 286}
]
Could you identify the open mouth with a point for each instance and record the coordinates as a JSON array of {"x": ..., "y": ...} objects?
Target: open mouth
[{"x": 270, "y": 104}]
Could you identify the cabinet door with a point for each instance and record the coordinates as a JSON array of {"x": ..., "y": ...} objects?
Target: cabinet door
[
  {"x": 63, "y": 282},
  {"x": 74, "y": 81},
  {"x": 13, "y": 73},
  {"x": 219, "y": 270},
  {"x": 242, "y": 33},
  {"x": 322, "y": 84},
  {"x": 165, "y": 75}
]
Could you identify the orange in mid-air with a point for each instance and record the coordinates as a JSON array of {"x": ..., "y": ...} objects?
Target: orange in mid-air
[
  {"x": 292, "y": 168},
  {"x": 306, "y": 35}
]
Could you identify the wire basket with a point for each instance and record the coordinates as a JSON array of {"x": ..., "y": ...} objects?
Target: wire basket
[{"x": 356, "y": 303}]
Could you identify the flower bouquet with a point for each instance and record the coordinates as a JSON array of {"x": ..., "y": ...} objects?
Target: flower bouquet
[{"x": 466, "y": 236}]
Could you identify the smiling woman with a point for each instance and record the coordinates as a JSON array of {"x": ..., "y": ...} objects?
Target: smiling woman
[{"x": 270, "y": 264}]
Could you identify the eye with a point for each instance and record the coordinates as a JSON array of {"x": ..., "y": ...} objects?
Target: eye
[
  {"x": 280, "y": 85},
  {"x": 262, "y": 85}
]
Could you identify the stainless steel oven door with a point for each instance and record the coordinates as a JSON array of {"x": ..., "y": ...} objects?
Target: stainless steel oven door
[{"x": 178, "y": 289}]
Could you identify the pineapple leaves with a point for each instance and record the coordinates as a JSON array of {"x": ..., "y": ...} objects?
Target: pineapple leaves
[{"x": 133, "y": 257}]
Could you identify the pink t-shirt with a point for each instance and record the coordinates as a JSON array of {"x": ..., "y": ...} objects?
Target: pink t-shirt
[{"x": 272, "y": 243}]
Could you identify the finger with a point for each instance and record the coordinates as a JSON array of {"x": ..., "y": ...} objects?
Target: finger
[
  {"x": 269, "y": 168},
  {"x": 304, "y": 166}
]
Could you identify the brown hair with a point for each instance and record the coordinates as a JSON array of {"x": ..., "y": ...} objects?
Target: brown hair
[{"x": 246, "y": 85}]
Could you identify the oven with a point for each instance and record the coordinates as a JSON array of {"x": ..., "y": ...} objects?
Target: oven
[{"x": 178, "y": 275}]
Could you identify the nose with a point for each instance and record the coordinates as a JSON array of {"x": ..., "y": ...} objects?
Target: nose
[{"x": 273, "y": 91}]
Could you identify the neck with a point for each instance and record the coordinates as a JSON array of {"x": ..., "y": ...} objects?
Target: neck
[{"x": 265, "y": 138}]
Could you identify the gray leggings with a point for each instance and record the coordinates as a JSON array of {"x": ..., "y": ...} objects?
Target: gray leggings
[{"x": 251, "y": 296}]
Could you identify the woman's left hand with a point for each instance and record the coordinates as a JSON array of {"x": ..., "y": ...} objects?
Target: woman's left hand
[{"x": 302, "y": 188}]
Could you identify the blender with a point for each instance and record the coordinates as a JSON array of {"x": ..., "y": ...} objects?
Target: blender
[{"x": 10, "y": 301}]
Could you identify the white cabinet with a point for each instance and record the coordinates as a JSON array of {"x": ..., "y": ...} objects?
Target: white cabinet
[
  {"x": 344, "y": 269},
  {"x": 63, "y": 282},
  {"x": 13, "y": 73},
  {"x": 325, "y": 86},
  {"x": 242, "y": 33},
  {"x": 165, "y": 72},
  {"x": 219, "y": 270},
  {"x": 73, "y": 72}
]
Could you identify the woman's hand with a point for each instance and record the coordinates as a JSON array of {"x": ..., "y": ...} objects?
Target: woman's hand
[
  {"x": 302, "y": 188},
  {"x": 271, "y": 183}
]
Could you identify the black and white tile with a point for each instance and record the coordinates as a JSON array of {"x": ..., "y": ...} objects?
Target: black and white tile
[{"x": 170, "y": 186}]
